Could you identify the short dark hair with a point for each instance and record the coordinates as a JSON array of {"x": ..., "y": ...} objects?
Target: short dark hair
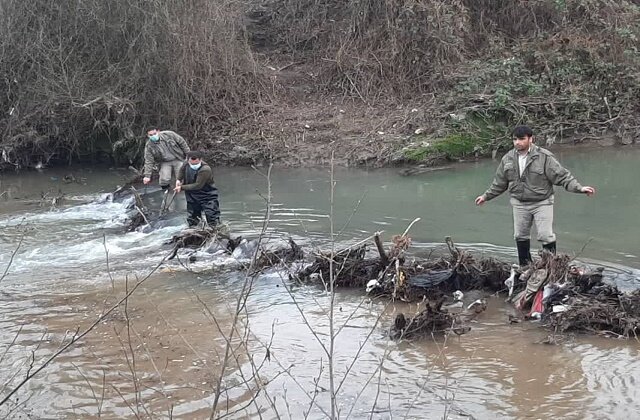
[
  {"x": 194, "y": 154},
  {"x": 522, "y": 131}
]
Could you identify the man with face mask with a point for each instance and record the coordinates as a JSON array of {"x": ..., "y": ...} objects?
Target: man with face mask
[
  {"x": 166, "y": 149},
  {"x": 529, "y": 173},
  {"x": 195, "y": 178}
]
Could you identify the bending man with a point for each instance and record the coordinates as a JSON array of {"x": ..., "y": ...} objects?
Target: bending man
[
  {"x": 166, "y": 149},
  {"x": 195, "y": 178},
  {"x": 529, "y": 173}
]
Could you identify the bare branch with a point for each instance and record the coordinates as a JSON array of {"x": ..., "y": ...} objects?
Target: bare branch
[
  {"x": 13, "y": 254},
  {"x": 78, "y": 337}
]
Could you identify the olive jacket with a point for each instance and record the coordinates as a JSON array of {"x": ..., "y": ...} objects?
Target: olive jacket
[
  {"x": 171, "y": 146},
  {"x": 542, "y": 171}
]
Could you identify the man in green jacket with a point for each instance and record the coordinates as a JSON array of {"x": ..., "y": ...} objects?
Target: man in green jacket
[
  {"x": 195, "y": 178},
  {"x": 166, "y": 149},
  {"x": 529, "y": 173}
]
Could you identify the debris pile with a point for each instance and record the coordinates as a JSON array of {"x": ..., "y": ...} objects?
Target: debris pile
[
  {"x": 568, "y": 298},
  {"x": 392, "y": 274},
  {"x": 584, "y": 303},
  {"x": 565, "y": 297},
  {"x": 435, "y": 319},
  {"x": 270, "y": 258}
]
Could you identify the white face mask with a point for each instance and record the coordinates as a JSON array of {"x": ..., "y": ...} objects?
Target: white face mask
[{"x": 196, "y": 166}]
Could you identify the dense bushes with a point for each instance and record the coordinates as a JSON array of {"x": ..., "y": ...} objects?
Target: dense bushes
[
  {"x": 79, "y": 76},
  {"x": 84, "y": 77},
  {"x": 570, "y": 67}
]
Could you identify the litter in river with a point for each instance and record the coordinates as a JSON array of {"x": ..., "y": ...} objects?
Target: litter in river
[{"x": 553, "y": 289}]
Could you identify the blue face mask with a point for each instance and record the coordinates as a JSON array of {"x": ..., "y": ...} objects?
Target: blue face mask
[
  {"x": 154, "y": 138},
  {"x": 196, "y": 166}
]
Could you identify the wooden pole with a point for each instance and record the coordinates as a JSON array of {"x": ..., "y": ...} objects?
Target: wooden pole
[{"x": 383, "y": 255}]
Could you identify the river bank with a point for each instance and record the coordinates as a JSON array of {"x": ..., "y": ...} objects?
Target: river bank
[{"x": 256, "y": 81}]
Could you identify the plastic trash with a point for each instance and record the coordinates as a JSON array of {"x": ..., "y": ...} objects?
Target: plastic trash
[{"x": 511, "y": 280}]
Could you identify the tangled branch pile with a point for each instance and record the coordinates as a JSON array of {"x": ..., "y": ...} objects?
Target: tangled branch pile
[
  {"x": 578, "y": 301},
  {"x": 572, "y": 299},
  {"x": 565, "y": 296},
  {"x": 393, "y": 275},
  {"x": 594, "y": 307}
]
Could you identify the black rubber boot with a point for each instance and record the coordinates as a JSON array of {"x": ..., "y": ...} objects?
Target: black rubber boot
[
  {"x": 524, "y": 252},
  {"x": 551, "y": 247}
]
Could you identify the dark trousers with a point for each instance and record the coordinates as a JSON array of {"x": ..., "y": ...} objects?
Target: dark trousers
[{"x": 207, "y": 205}]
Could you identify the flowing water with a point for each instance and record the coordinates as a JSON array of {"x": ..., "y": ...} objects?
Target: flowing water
[{"x": 159, "y": 356}]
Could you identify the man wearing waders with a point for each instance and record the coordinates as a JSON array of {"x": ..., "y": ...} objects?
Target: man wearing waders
[
  {"x": 529, "y": 173},
  {"x": 167, "y": 150},
  {"x": 195, "y": 178}
]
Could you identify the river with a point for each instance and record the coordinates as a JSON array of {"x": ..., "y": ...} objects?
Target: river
[{"x": 66, "y": 264}]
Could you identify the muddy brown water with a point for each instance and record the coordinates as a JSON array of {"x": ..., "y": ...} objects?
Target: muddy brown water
[{"x": 161, "y": 357}]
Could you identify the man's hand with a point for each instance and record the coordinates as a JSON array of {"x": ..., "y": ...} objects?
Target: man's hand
[
  {"x": 480, "y": 200},
  {"x": 178, "y": 183},
  {"x": 589, "y": 191},
  {"x": 178, "y": 188},
  {"x": 146, "y": 180}
]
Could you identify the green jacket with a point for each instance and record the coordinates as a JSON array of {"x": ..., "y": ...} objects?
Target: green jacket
[
  {"x": 170, "y": 147},
  {"x": 203, "y": 179},
  {"x": 541, "y": 173}
]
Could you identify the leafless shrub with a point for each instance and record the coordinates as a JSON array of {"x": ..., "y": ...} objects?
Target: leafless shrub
[{"x": 81, "y": 75}]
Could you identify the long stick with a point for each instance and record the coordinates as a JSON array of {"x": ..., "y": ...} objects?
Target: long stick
[
  {"x": 77, "y": 336},
  {"x": 383, "y": 255},
  {"x": 164, "y": 201},
  {"x": 164, "y": 208},
  {"x": 417, "y": 219},
  {"x": 13, "y": 254}
]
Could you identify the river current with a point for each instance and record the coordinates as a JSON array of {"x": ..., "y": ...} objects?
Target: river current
[{"x": 68, "y": 262}]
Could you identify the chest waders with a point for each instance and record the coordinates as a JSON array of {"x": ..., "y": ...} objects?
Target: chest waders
[{"x": 201, "y": 203}]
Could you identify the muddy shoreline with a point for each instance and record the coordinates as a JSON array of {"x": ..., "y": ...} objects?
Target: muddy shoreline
[{"x": 358, "y": 153}]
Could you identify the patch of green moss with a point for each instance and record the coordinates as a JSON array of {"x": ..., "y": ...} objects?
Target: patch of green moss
[
  {"x": 418, "y": 154},
  {"x": 457, "y": 146},
  {"x": 474, "y": 134},
  {"x": 454, "y": 146}
]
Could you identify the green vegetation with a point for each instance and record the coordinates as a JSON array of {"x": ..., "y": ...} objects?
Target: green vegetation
[
  {"x": 454, "y": 146},
  {"x": 470, "y": 135}
]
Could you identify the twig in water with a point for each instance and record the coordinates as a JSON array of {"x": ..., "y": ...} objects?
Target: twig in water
[
  {"x": 143, "y": 216},
  {"x": 13, "y": 254},
  {"x": 243, "y": 296},
  {"x": 417, "y": 219},
  {"x": 77, "y": 337},
  {"x": 582, "y": 249}
]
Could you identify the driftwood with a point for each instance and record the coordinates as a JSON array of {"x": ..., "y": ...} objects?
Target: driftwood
[
  {"x": 417, "y": 170},
  {"x": 197, "y": 237},
  {"x": 218, "y": 238},
  {"x": 584, "y": 303},
  {"x": 409, "y": 281},
  {"x": 280, "y": 256},
  {"x": 141, "y": 215},
  {"x": 435, "y": 320},
  {"x": 350, "y": 268}
]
